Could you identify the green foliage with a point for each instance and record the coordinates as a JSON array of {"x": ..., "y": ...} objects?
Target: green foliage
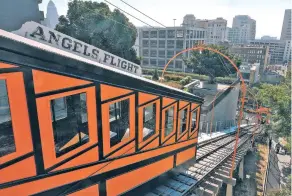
[
  {"x": 224, "y": 80},
  {"x": 173, "y": 77},
  {"x": 176, "y": 76},
  {"x": 155, "y": 75},
  {"x": 185, "y": 80},
  {"x": 212, "y": 64},
  {"x": 278, "y": 98},
  {"x": 95, "y": 24},
  {"x": 285, "y": 191},
  {"x": 148, "y": 77}
]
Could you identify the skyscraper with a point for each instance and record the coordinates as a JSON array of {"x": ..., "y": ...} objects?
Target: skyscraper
[
  {"x": 216, "y": 28},
  {"x": 52, "y": 18},
  {"x": 286, "y": 28},
  {"x": 243, "y": 29}
]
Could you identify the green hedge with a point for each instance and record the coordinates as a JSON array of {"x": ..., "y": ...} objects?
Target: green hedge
[
  {"x": 185, "y": 80},
  {"x": 225, "y": 80},
  {"x": 176, "y": 76},
  {"x": 179, "y": 76}
]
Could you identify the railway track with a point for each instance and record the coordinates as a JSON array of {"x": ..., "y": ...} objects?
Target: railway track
[{"x": 194, "y": 177}]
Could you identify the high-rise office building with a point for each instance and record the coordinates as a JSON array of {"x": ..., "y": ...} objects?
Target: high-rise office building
[
  {"x": 286, "y": 27},
  {"x": 14, "y": 13},
  {"x": 189, "y": 20},
  {"x": 158, "y": 45},
  {"x": 279, "y": 50},
  {"x": 52, "y": 18},
  {"x": 243, "y": 29},
  {"x": 216, "y": 28}
]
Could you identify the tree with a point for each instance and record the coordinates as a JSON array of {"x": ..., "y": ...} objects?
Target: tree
[
  {"x": 155, "y": 75},
  {"x": 95, "y": 24},
  {"x": 278, "y": 98},
  {"x": 212, "y": 64}
]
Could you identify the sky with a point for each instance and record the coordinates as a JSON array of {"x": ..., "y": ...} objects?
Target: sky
[{"x": 268, "y": 14}]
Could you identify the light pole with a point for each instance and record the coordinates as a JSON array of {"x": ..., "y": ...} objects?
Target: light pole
[{"x": 174, "y": 22}]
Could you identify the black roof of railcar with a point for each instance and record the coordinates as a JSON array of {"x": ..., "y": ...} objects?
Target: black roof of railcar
[{"x": 22, "y": 51}]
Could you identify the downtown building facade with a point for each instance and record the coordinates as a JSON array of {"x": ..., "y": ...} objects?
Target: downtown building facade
[
  {"x": 243, "y": 29},
  {"x": 252, "y": 54},
  {"x": 215, "y": 28},
  {"x": 14, "y": 13},
  {"x": 279, "y": 50},
  {"x": 158, "y": 45}
]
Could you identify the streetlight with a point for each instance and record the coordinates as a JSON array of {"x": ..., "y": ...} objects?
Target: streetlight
[{"x": 174, "y": 22}]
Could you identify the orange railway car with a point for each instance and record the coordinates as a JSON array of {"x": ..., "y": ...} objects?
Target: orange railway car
[{"x": 70, "y": 126}]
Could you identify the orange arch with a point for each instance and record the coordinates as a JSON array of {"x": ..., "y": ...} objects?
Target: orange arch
[{"x": 243, "y": 90}]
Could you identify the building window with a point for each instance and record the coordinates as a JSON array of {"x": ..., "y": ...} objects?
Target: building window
[
  {"x": 145, "y": 43},
  {"x": 162, "y": 34},
  {"x": 145, "y": 34},
  {"x": 161, "y": 53},
  {"x": 119, "y": 121},
  {"x": 149, "y": 121},
  {"x": 161, "y": 43},
  {"x": 194, "y": 120},
  {"x": 153, "y": 43},
  {"x": 7, "y": 142},
  {"x": 179, "y": 44},
  {"x": 153, "y": 53},
  {"x": 183, "y": 120},
  {"x": 191, "y": 34},
  {"x": 145, "y": 61},
  {"x": 179, "y": 33},
  {"x": 170, "y": 44},
  {"x": 153, "y": 34},
  {"x": 170, "y": 53},
  {"x": 145, "y": 52},
  {"x": 187, "y": 44},
  {"x": 70, "y": 124},
  {"x": 178, "y": 64},
  {"x": 169, "y": 120},
  {"x": 188, "y": 34},
  {"x": 161, "y": 63},
  {"x": 153, "y": 62},
  {"x": 171, "y": 33}
]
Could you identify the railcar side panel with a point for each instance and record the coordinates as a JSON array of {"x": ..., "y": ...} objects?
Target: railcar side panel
[
  {"x": 82, "y": 132},
  {"x": 117, "y": 185}
]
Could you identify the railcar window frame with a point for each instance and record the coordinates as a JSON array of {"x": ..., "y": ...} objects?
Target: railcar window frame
[
  {"x": 197, "y": 111},
  {"x": 181, "y": 133},
  {"x": 148, "y": 132},
  {"x": 10, "y": 146},
  {"x": 122, "y": 119},
  {"x": 165, "y": 137},
  {"x": 46, "y": 125},
  {"x": 19, "y": 116},
  {"x": 74, "y": 109},
  {"x": 107, "y": 148}
]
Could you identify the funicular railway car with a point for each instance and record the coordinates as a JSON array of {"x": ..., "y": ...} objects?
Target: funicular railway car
[{"x": 71, "y": 126}]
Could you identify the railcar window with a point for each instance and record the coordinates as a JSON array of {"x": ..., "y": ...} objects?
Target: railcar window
[
  {"x": 149, "y": 120},
  {"x": 183, "y": 120},
  {"x": 7, "y": 142},
  {"x": 169, "y": 119},
  {"x": 119, "y": 121},
  {"x": 194, "y": 120},
  {"x": 70, "y": 124}
]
